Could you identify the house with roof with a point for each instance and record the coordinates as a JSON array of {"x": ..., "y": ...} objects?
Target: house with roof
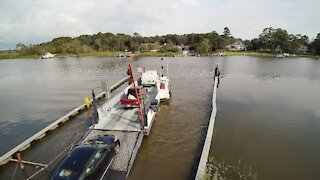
[
  {"x": 302, "y": 49},
  {"x": 184, "y": 49},
  {"x": 237, "y": 46}
]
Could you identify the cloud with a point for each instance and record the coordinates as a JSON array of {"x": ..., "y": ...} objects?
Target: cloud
[{"x": 35, "y": 21}]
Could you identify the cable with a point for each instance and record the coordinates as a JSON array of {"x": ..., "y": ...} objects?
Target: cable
[
  {"x": 55, "y": 158},
  {"x": 36, "y": 173},
  {"x": 14, "y": 172}
]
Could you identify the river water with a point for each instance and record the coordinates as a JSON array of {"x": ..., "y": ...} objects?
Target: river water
[
  {"x": 268, "y": 112},
  {"x": 269, "y": 117}
]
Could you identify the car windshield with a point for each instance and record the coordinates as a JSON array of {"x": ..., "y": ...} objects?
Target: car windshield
[
  {"x": 74, "y": 165},
  {"x": 94, "y": 142},
  {"x": 100, "y": 141},
  {"x": 94, "y": 160}
]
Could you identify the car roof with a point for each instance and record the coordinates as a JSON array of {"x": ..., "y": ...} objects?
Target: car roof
[
  {"x": 100, "y": 140},
  {"x": 77, "y": 159}
]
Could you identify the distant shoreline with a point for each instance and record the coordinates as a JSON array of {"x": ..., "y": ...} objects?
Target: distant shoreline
[
  {"x": 272, "y": 55},
  {"x": 14, "y": 55}
]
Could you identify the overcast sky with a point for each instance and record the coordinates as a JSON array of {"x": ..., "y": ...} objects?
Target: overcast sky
[{"x": 36, "y": 21}]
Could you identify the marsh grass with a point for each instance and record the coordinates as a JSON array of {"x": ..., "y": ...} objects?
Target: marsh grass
[{"x": 220, "y": 171}]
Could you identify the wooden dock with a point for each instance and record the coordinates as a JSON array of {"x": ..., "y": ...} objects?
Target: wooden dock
[
  {"x": 39, "y": 135},
  {"x": 206, "y": 148}
]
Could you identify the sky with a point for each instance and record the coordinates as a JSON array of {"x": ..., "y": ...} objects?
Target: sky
[{"x": 37, "y": 21}]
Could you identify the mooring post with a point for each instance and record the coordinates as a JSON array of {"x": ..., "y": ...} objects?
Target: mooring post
[
  {"x": 217, "y": 74},
  {"x": 103, "y": 86},
  {"x": 20, "y": 161},
  {"x": 108, "y": 96},
  {"x": 86, "y": 100},
  {"x": 95, "y": 110}
]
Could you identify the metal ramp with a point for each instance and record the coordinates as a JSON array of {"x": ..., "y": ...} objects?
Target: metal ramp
[
  {"x": 118, "y": 119},
  {"x": 130, "y": 142}
]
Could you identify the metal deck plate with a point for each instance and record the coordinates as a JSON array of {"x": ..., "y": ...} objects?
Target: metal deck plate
[
  {"x": 122, "y": 119},
  {"x": 119, "y": 119},
  {"x": 129, "y": 145}
]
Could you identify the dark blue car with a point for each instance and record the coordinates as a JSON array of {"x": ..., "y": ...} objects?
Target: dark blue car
[{"x": 88, "y": 160}]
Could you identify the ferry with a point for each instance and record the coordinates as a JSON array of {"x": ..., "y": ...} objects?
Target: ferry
[{"x": 129, "y": 116}]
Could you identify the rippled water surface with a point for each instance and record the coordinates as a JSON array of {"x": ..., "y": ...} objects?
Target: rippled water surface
[
  {"x": 34, "y": 93},
  {"x": 269, "y": 117},
  {"x": 268, "y": 112}
]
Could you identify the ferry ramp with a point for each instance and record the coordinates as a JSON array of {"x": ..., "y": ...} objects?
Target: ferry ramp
[
  {"x": 118, "y": 118},
  {"x": 124, "y": 124}
]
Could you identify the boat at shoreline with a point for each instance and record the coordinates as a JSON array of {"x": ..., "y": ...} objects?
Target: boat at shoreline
[
  {"x": 47, "y": 55},
  {"x": 129, "y": 54}
]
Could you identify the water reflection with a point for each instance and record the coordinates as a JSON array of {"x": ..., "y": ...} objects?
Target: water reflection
[
  {"x": 37, "y": 92},
  {"x": 291, "y": 67},
  {"x": 268, "y": 112},
  {"x": 268, "y": 77},
  {"x": 270, "y": 120}
]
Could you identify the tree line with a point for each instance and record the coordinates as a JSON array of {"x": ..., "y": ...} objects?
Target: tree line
[{"x": 270, "y": 40}]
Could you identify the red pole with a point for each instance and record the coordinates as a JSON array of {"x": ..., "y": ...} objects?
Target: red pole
[
  {"x": 137, "y": 95},
  {"x": 20, "y": 161}
]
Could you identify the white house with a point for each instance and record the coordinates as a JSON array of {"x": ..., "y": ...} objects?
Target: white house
[
  {"x": 237, "y": 46},
  {"x": 302, "y": 49},
  {"x": 184, "y": 49}
]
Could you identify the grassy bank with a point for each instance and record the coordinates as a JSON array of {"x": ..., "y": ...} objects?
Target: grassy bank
[
  {"x": 156, "y": 54},
  {"x": 115, "y": 54},
  {"x": 13, "y": 54},
  {"x": 98, "y": 54},
  {"x": 17, "y": 55},
  {"x": 309, "y": 56},
  {"x": 264, "y": 54},
  {"x": 249, "y": 53}
]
